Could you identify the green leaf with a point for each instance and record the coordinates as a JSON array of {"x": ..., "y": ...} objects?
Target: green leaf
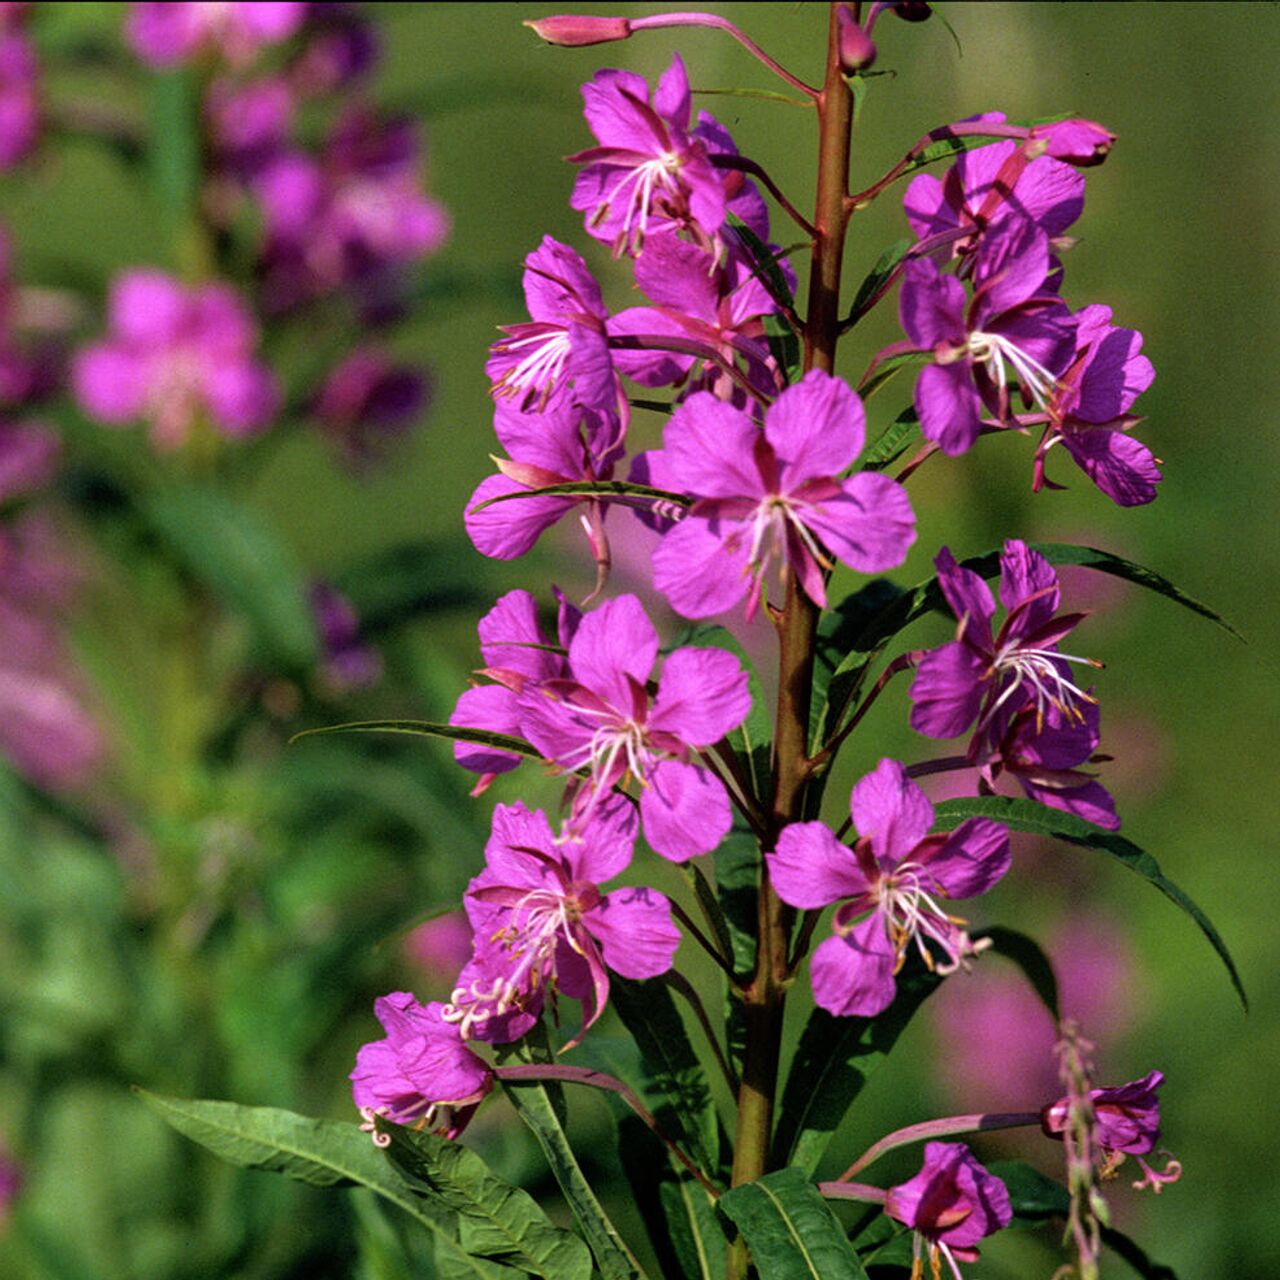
[
  {"x": 893, "y": 442},
  {"x": 790, "y": 1229},
  {"x": 886, "y": 264},
  {"x": 765, "y": 261},
  {"x": 1026, "y": 815},
  {"x": 942, "y": 149},
  {"x": 322, "y": 1153},
  {"x": 240, "y": 557},
  {"x": 1034, "y": 1198},
  {"x": 696, "y": 1235},
  {"x": 888, "y": 368},
  {"x": 428, "y": 729},
  {"x": 832, "y": 1062},
  {"x": 534, "y": 1105},
  {"x": 672, "y": 1069},
  {"x": 1133, "y": 1253},
  {"x": 784, "y": 346},
  {"x": 737, "y": 870},
  {"x": 752, "y": 742},
  {"x": 710, "y": 906},
  {"x": 1028, "y": 955},
  {"x": 496, "y": 1220},
  {"x": 614, "y": 490}
]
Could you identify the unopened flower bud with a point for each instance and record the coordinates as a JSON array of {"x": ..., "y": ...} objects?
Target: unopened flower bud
[
  {"x": 571, "y": 29},
  {"x": 1079, "y": 142},
  {"x": 912, "y": 10},
  {"x": 857, "y": 49}
]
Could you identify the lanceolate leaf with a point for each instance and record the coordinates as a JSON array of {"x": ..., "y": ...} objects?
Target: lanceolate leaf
[
  {"x": 885, "y": 266},
  {"x": 1133, "y": 1253},
  {"x": 323, "y": 1153},
  {"x": 1026, "y": 815},
  {"x": 765, "y": 261},
  {"x": 534, "y": 1105},
  {"x": 696, "y": 1234},
  {"x": 831, "y": 1064},
  {"x": 790, "y": 1229},
  {"x": 1027, "y": 954},
  {"x": 893, "y": 442},
  {"x": 639, "y": 495},
  {"x": 496, "y": 1220},
  {"x": 428, "y": 729}
]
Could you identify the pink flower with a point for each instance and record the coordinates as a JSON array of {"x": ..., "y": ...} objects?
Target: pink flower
[
  {"x": 894, "y": 878},
  {"x": 1126, "y": 1118},
  {"x": 367, "y": 402},
  {"x": 166, "y": 34},
  {"x": 543, "y": 926},
  {"x": 772, "y": 495},
  {"x": 951, "y": 1204},
  {"x": 173, "y": 354},
  {"x": 421, "y": 1073},
  {"x": 602, "y": 718},
  {"x": 19, "y": 98}
]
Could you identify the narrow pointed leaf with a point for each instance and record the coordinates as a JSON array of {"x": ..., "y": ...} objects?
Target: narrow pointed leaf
[
  {"x": 534, "y": 1105},
  {"x": 1134, "y": 1254},
  {"x": 886, "y": 265},
  {"x": 893, "y": 442},
  {"x": 832, "y": 1062},
  {"x": 1029, "y": 956},
  {"x": 1026, "y": 815},
  {"x": 322, "y": 1153},
  {"x": 427, "y": 729},
  {"x": 737, "y": 869},
  {"x": 696, "y": 1234},
  {"x": 496, "y": 1220},
  {"x": 765, "y": 261},
  {"x": 790, "y": 1229},
  {"x": 639, "y": 495}
]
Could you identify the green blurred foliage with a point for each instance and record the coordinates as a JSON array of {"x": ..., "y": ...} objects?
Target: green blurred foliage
[{"x": 222, "y": 938}]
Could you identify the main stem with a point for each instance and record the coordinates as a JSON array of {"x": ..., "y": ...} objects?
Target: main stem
[{"x": 764, "y": 999}]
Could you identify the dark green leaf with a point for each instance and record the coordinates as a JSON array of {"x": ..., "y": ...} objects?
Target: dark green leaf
[
  {"x": 536, "y": 1107},
  {"x": 696, "y": 1235},
  {"x": 784, "y": 346},
  {"x": 737, "y": 867},
  {"x": 243, "y": 561},
  {"x": 1028, "y": 955},
  {"x": 710, "y": 906},
  {"x": 831, "y": 1064},
  {"x": 1035, "y": 1198},
  {"x": 790, "y": 1229},
  {"x": 765, "y": 261},
  {"x": 674, "y": 1076},
  {"x": 886, "y": 265},
  {"x": 1026, "y": 815},
  {"x": 1133, "y": 1253},
  {"x": 614, "y": 490},
  {"x": 887, "y": 369},
  {"x": 428, "y": 729},
  {"x": 496, "y": 1219},
  {"x": 893, "y": 442},
  {"x": 943, "y": 149}
]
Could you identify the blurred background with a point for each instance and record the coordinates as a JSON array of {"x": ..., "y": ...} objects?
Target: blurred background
[{"x": 191, "y": 905}]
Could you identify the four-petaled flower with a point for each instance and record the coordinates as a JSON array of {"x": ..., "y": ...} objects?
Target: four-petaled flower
[{"x": 896, "y": 878}]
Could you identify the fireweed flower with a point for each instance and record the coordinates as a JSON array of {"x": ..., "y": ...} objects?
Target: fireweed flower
[
  {"x": 28, "y": 458},
  {"x": 544, "y": 927},
  {"x": 341, "y": 47},
  {"x": 722, "y": 307},
  {"x": 603, "y": 718},
  {"x": 563, "y": 342},
  {"x": 367, "y": 402},
  {"x": 166, "y": 35},
  {"x": 772, "y": 496},
  {"x": 19, "y": 98},
  {"x": 421, "y": 1074},
  {"x": 347, "y": 662},
  {"x": 171, "y": 355},
  {"x": 249, "y": 123},
  {"x": 951, "y": 1204},
  {"x": 563, "y": 444},
  {"x": 649, "y": 171},
  {"x": 517, "y": 656},
  {"x": 895, "y": 877},
  {"x": 979, "y": 675},
  {"x": 1012, "y": 325},
  {"x": 1088, "y": 414}
]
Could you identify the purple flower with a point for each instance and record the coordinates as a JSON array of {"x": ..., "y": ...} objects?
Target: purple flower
[
  {"x": 28, "y": 458},
  {"x": 951, "y": 1204},
  {"x": 602, "y": 718},
  {"x": 165, "y": 34},
  {"x": 1010, "y": 327},
  {"x": 1083, "y": 143},
  {"x": 439, "y": 947},
  {"x": 422, "y": 1073},
  {"x": 348, "y": 216},
  {"x": 720, "y": 307},
  {"x": 564, "y": 340},
  {"x": 1126, "y": 1118},
  {"x": 248, "y": 123},
  {"x": 367, "y": 402},
  {"x": 979, "y": 675},
  {"x": 341, "y": 46},
  {"x": 19, "y": 98},
  {"x": 892, "y": 878},
  {"x": 772, "y": 495},
  {"x": 649, "y": 172},
  {"x": 1088, "y": 413},
  {"x": 346, "y": 662},
  {"x": 171, "y": 355},
  {"x": 517, "y": 655},
  {"x": 543, "y": 926}
]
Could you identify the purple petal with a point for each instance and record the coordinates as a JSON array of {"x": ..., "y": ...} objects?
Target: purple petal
[
  {"x": 614, "y": 642},
  {"x": 710, "y": 446},
  {"x": 1013, "y": 267},
  {"x": 508, "y": 530},
  {"x": 679, "y": 274},
  {"x": 516, "y": 828},
  {"x": 671, "y": 96},
  {"x": 559, "y": 285},
  {"x": 1122, "y": 467},
  {"x": 1115, "y": 374},
  {"x": 635, "y": 932},
  {"x": 948, "y": 407},
  {"x": 685, "y": 810},
  {"x": 489, "y": 707},
  {"x": 612, "y": 116},
  {"x": 869, "y": 525},
  {"x": 1090, "y": 800},
  {"x": 811, "y": 869},
  {"x": 816, "y": 428},
  {"x": 931, "y": 306},
  {"x": 969, "y": 598},
  {"x": 947, "y": 691},
  {"x": 147, "y": 307},
  {"x": 601, "y": 847},
  {"x": 702, "y": 695},
  {"x": 110, "y": 383},
  {"x": 1025, "y": 573},
  {"x": 242, "y": 396},
  {"x": 853, "y": 975},
  {"x": 972, "y": 859},
  {"x": 507, "y": 633},
  {"x": 551, "y": 439},
  {"x": 701, "y": 566},
  {"x": 650, "y": 368},
  {"x": 889, "y": 809}
]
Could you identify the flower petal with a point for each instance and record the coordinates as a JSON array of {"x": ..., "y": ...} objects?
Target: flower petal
[
  {"x": 685, "y": 810},
  {"x": 701, "y": 566},
  {"x": 811, "y": 869},
  {"x": 614, "y": 642},
  {"x": 869, "y": 525},
  {"x": 972, "y": 858},
  {"x": 702, "y": 695},
  {"x": 853, "y": 975},
  {"x": 947, "y": 691},
  {"x": 817, "y": 428},
  {"x": 635, "y": 931},
  {"x": 889, "y": 809}
]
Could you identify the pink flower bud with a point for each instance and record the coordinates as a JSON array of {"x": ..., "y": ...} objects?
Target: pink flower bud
[
  {"x": 1080, "y": 142},
  {"x": 571, "y": 29},
  {"x": 857, "y": 50}
]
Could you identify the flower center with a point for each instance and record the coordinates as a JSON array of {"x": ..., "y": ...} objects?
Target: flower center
[
  {"x": 1001, "y": 355},
  {"x": 654, "y": 177},
  {"x": 1040, "y": 672},
  {"x": 541, "y": 358},
  {"x": 912, "y": 913}
]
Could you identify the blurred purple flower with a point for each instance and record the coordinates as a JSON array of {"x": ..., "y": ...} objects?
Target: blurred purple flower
[
  {"x": 367, "y": 402},
  {"x": 341, "y": 45},
  {"x": 19, "y": 98},
  {"x": 346, "y": 661},
  {"x": 440, "y": 947},
  {"x": 173, "y": 354},
  {"x": 166, "y": 34},
  {"x": 28, "y": 458},
  {"x": 248, "y": 123}
]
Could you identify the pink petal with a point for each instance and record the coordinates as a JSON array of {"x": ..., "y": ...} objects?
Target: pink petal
[
  {"x": 816, "y": 428},
  {"x": 635, "y": 932},
  {"x": 685, "y": 810},
  {"x": 507, "y": 633},
  {"x": 1122, "y": 467},
  {"x": 650, "y": 368},
  {"x": 614, "y": 642},
  {"x": 558, "y": 284},
  {"x": 969, "y": 597},
  {"x": 811, "y": 869},
  {"x": 710, "y": 446},
  {"x": 242, "y": 396},
  {"x": 702, "y": 695},
  {"x": 508, "y": 530},
  {"x": 948, "y": 407},
  {"x": 889, "y": 809},
  {"x": 931, "y": 306},
  {"x": 110, "y": 383},
  {"x": 1025, "y": 573},
  {"x": 490, "y": 707},
  {"x": 601, "y": 848},
  {"x": 973, "y": 858},
  {"x": 869, "y": 525},
  {"x": 947, "y": 691},
  {"x": 702, "y": 572},
  {"x": 853, "y": 975},
  {"x": 147, "y": 307}
]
